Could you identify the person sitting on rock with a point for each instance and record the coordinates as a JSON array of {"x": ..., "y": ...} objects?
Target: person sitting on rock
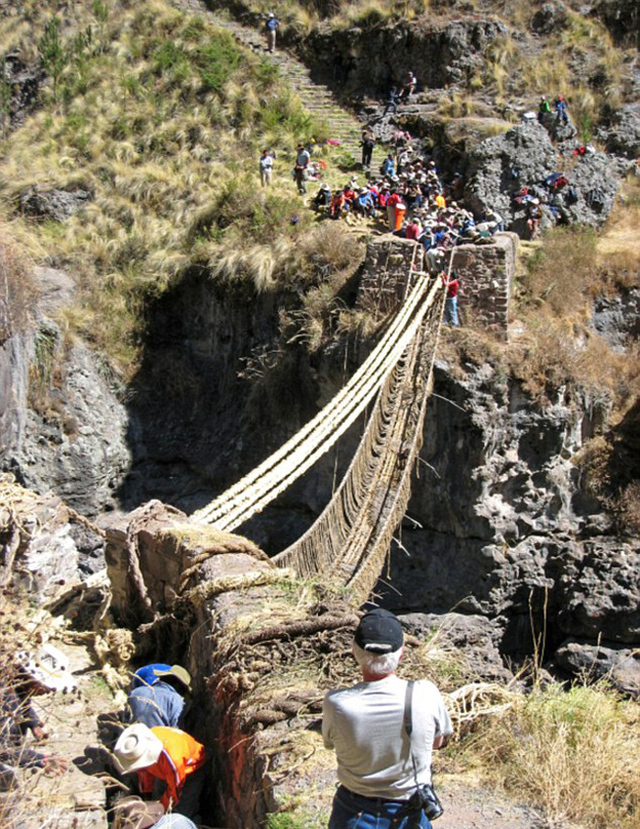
[
  {"x": 408, "y": 87},
  {"x": 543, "y": 108},
  {"x": 161, "y": 702},
  {"x": 322, "y": 198},
  {"x": 166, "y": 754},
  {"x": 44, "y": 672},
  {"x": 363, "y": 203},
  {"x": 338, "y": 205},
  {"x": 387, "y": 168}
]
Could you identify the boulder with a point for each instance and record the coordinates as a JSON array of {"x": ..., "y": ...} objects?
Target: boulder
[
  {"x": 524, "y": 157},
  {"x": 476, "y": 638},
  {"x": 550, "y": 17},
  {"x": 42, "y": 551},
  {"x": 58, "y": 205},
  {"x": 620, "y": 665},
  {"x": 61, "y": 425},
  {"x": 622, "y": 136},
  {"x": 599, "y": 591}
]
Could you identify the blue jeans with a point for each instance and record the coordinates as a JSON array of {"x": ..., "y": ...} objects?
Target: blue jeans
[
  {"x": 353, "y": 811},
  {"x": 451, "y": 310}
]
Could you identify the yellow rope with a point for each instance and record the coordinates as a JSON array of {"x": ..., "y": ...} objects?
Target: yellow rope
[{"x": 349, "y": 541}]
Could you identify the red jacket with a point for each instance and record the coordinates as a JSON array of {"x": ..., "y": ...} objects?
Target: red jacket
[{"x": 181, "y": 756}]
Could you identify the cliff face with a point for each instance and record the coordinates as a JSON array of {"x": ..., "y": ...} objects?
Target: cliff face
[
  {"x": 61, "y": 425},
  {"x": 499, "y": 524}
]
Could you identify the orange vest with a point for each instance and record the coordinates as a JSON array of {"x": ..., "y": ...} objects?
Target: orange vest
[{"x": 181, "y": 756}]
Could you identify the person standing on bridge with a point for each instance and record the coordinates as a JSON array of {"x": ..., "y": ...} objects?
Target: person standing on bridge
[
  {"x": 383, "y": 730},
  {"x": 270, "y": 28},
  {"x": 452, "y": 284}
]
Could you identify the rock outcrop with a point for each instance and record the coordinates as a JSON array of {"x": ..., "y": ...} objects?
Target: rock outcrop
[
  {"x": 525, "y": 156},
  {"x": 61, "y": 425}
]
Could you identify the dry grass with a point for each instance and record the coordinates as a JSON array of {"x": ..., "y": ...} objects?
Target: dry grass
[
  {"x": 159, "y": 127},
  {"x": 573, "y": 754},
  {"x": 18, "y": 291}
]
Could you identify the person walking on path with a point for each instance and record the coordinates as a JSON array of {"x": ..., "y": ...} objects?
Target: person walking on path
[
  {"x": 266, "y": 167},
  {"x": 300, "y": 169},
  {"x": 452, "y": 284},
  {"x": 271, "y": 27},
  {"x": 368, "y": 142},
  {"x": 381, "y": 762}
]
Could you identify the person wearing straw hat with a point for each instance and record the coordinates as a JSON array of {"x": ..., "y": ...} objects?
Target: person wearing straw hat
[
  {"x": 381, "y": 761},
  {"x": 161, "y": 699},
  {"x": 43, "y": 672},
  {"x": 166, "y": 754}
]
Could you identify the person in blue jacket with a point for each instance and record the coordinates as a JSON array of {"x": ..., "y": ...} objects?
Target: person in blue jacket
[{"x": 158, "y": 695}]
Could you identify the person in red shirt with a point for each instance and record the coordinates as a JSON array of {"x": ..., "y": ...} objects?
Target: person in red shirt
[
  {"x": 166, "y": 754},
  {"x": 412, "y": 230},
  {"x": 452, "y": 284}
]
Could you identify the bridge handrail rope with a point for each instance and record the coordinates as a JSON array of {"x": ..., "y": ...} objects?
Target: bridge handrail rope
[
  {"x": 265, "y": 482},
  {"x": 348, "y": 542}
]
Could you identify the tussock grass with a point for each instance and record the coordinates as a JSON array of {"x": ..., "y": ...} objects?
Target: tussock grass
[
  {"x": 18, "y": 292},
  {"x": 572, "y": 753},
  {"x": 158, "y": 120}
]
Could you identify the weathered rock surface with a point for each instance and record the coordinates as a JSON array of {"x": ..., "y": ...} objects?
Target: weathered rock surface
[
  {"x": 24, "y": 84},
  {"x": 525, "y": 156},
  {"x": 475, "y": 638},
  {"x": 617, "y": 318},
  {"x": 61, "y": 425},
  {"x": 622, "y": 135},
  {"x": 620, "y": 665},
  {"x": 58, "y": 205},
  {"x": 43, "y": 544},
  {"x": 438, "y": 56}
]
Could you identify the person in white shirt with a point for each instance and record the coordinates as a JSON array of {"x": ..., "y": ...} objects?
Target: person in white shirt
[
  {"x": 266, "y": 167},
  {"x": 380, "y": 766}
]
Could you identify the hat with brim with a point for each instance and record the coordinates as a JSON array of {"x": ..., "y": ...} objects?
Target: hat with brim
[
  {"x": 379, "y": 632},
  {"x": 178, "y": 672},
  {"x": 49, "y": 667},
  {"x": 137, "y": 748}
]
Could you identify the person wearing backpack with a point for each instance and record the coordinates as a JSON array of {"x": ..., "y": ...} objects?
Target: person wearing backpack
[{"x": 271, "y": 27}]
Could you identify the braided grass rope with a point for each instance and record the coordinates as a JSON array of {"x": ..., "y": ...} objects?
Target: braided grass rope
[{"x": 348, "y": 543}]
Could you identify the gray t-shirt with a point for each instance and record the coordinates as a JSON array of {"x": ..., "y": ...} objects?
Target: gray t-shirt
[{"x": 364, "y": 724}]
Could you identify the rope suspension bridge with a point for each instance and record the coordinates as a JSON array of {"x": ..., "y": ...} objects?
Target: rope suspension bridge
[{"x": 349, "y": 541}]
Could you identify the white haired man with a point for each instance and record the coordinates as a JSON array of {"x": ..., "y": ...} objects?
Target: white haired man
[{"x": 381, "y": 763}]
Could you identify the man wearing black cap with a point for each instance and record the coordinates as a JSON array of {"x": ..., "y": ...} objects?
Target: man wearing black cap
[{"x": 365, "y": 724}]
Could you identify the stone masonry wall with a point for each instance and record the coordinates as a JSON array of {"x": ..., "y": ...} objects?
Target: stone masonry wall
[
  {"x": 486, "y": 272},
  {"x": 384, "y": 278}
]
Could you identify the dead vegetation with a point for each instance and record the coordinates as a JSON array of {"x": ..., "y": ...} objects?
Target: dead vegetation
[{"x": 18, "y": 291}]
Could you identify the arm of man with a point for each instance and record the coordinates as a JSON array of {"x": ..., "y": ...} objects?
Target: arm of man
[{"x": 327, "y": 722}]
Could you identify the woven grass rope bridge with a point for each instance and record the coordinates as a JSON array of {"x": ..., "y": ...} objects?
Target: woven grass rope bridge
[{"x": 349, "y": 541}]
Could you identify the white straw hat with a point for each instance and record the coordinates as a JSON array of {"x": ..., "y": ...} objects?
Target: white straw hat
[{"x": 137, "y": 748}]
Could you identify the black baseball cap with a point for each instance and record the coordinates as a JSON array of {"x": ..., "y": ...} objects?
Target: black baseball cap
[{"x": 379, "y": 631}]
